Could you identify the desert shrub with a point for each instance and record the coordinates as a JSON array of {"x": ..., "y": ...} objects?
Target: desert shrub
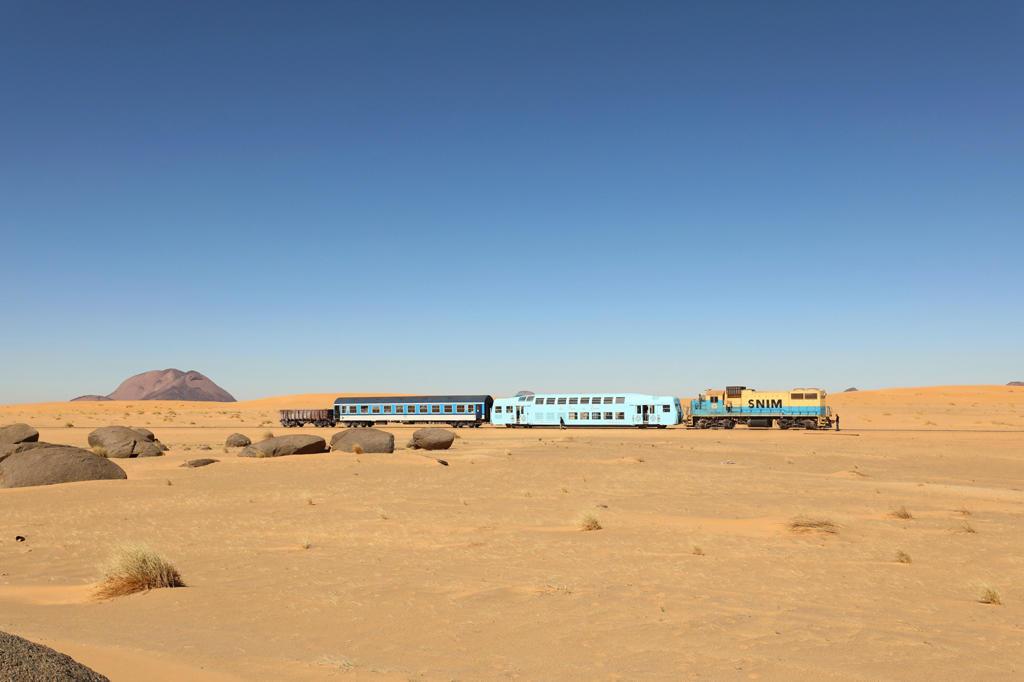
[
  {"x": 902, "y": 557},
  {"x": 357, "y": 449},
  {"x": 806, "y": 524},
  {"x": 989, "y": 596},
  {"x": 697, "y": 551},
  {"x": 901, "y": 513},
  {"x": 99, "y": 451},
  {"x": 590, "y": 522},
  {"x": 136, "y": 568}
]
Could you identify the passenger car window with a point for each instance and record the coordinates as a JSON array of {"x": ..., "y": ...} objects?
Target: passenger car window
[
  {"x": 435, "y": 408},
  {"x": 584, "y": 401},
  {"x": 448, "y": 409},
  {"x": 574, "y": 401},
  {"x": 607, "y": 415},
  {"x": 561, "y": 401},
  {"x": 620, "y": 399},
  {"x": 572, "y": 415},
  {"x": 620, "y": 415}
]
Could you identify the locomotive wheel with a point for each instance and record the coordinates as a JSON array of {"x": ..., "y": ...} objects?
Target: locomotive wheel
[{"x": 784, "y": 424}]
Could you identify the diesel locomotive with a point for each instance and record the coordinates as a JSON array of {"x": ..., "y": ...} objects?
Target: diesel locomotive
[{"x": 801, "y": 408}]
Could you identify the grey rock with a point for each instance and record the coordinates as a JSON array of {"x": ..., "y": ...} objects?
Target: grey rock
[
  {"x": 237, "y": 440},
  {"x": 11, "y": 448},
  {"x": 431, "y": 439},
  {"x": 369, "y": 440},
  {"x": 55, "y": 464},
  {"x": 281, "y": 446},
  {"x": 25, "y": 661},
  {"x": 121, "y": 441},
  {"x": 18, "y": 433},
  {"x": 196, "y": 463}
]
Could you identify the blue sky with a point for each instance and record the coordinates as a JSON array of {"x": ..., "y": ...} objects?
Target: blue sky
[{"x": 477, "y": 196}]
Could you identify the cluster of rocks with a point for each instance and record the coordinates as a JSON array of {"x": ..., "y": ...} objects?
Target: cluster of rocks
[
  {"x": 350, "y": 440},
  {"x": 24, "y": 461}
]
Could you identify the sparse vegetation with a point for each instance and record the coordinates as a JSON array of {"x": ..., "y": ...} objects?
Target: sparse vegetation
[
  {"x": 989, "y": 596},
  {"x": 357, "y": 449},
  {"x": 69, "y": 425},
  {"x": 967, "y": 528},
  {"x": 697, "y": 551},
  {"x": 99, "y": 451},
  {"x": 807, "y": 524},
  {"x": 902, "y": 557},
  {"x": 590, "y": 522},
  {"x": 136, "y": 568},
  {"x": 963, "y": 511},
  {"x": 306, "y": 544},
  {"x": 901, "y": 513}
]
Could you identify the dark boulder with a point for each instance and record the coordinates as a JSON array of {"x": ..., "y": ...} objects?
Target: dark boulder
[
  {"x": 121, "y": 441},
  {"x": 237, "y": 440},
  {"x": 18, "y": 433},
  {"x": 11, "y": 448},
  {"x": 55, "y": 464},
  {"x": 27, "y": 661},
  {"x": 431, "y": 439},
  {"x": 196, "y": 463},
  {"x": 149, "y": 436},
  {"x": 280, "y": 446},
  {"x": 368, "y": 440}
]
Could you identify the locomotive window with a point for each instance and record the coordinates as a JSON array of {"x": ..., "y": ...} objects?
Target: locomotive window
[
  {"x": 584, "y": 401},
  {"x": 810, "y": 396},
  {"x": 620, "y": 399},
  {"x": 572, "y": 415},
  {"x": 620, "y": 415},
  {"x": 796, "y": 396},
  {"x": 448, "y": 409},
  {"x": 561, "y": 401},
  {"x": 714, "y": 398},
  {"x": 573, "y": 401}
]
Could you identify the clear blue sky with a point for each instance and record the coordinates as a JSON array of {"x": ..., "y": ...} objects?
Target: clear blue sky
[{"x": 484, "y": 196}]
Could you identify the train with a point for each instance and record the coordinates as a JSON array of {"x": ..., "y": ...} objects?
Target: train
[{"x": 802, "y": 408}]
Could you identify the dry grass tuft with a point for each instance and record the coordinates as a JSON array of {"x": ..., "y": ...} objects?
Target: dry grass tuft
[
  {"x": 697, "y": 551},
  {"x": 967, "y": 528},
  {"x": 963, "y": 511},
  {"x": 306, "y": 544},
  {"x": 357, "y": 449},
  {"x": 590, "y": 522},
  {"x": 135, "y": 568},
  {"x": 989, "y": 596},
  {"x": 901, "y": 513},
  {"x": 806, "y": 524},
  {"x": 69, "y": 425},
  {"x": 99, "y": 451},
  {"x": 903, "y": 557}
]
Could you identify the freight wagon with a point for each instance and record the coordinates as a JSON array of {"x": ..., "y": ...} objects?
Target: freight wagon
[
  {"x": 587, "y": 409},
  {"x": 802, "y": 408},
  {"x": 322, "y": 418},
  {"x": 454, "y": 410}
]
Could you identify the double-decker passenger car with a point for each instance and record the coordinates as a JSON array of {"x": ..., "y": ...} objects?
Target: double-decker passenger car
[
  {"x": 799, "y": 408},
  {"x": 455, "y": 410},
  {"x": 587, "y": 409}
]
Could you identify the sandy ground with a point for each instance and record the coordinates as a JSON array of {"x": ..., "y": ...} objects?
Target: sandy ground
[{"x": 393, "y": 567}]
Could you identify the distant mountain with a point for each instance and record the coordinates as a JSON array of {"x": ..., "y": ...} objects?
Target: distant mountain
[
  {"x": 1016, "y": 383},
  {"x": 167, "y": 384},
  {"x": 851, "y": 389}
]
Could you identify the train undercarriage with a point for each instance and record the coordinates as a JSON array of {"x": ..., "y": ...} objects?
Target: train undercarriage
[{"x": 784, "y": 423}]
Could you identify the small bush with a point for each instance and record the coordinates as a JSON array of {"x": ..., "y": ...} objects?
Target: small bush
[
  {"x": 697, "y": 551},
  {"x": 901, "y": 513},
  {"x": 590, "y": 522},
  {"x": 989, "y": 596},
  {"x": 902, "y": 557},
  {"x": 805, "y": 524},
  {"x": 69, "y": 425},
  {"x": 136, "y": 568}
]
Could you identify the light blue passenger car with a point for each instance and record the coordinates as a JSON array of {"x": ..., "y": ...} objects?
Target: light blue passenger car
[{"x": 587, "y": 409}]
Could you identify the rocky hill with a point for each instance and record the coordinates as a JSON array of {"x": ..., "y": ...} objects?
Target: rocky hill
[{"x": 167, "y": 384}]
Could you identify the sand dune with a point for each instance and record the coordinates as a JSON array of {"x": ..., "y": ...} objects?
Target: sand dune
[{"x": 393, "y": 568}]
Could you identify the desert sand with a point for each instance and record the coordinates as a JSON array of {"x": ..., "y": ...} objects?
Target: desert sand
[{"x": 392, "y": 567}]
